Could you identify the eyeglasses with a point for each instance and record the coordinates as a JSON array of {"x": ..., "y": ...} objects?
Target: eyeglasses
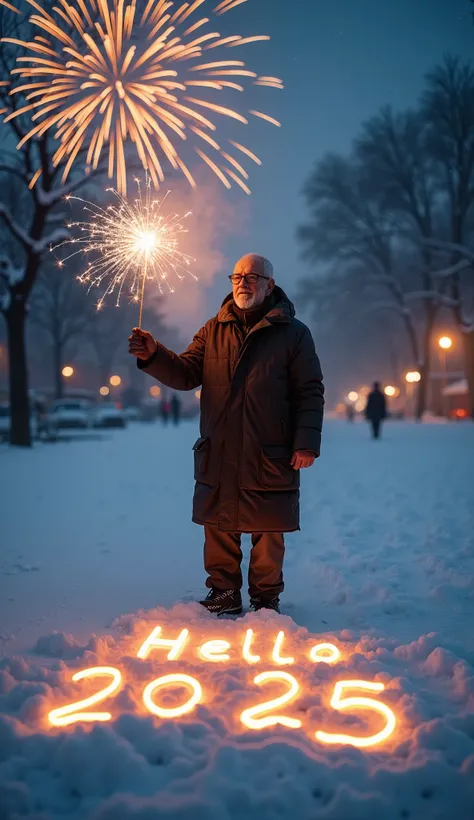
[{"x": 251, "y": 278}]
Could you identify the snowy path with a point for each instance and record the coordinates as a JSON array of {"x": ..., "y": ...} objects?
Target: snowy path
[{"x": 383, "y": 567}]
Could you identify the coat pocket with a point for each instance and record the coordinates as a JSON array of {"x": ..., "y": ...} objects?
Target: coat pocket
[
  {"x": 276, "y": 472},
  {"x": 201, "y": 458}
]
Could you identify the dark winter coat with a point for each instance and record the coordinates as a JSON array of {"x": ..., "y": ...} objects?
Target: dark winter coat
[
  {"x": 261, "y": 399},
  {"x": 376, "y": 408}
]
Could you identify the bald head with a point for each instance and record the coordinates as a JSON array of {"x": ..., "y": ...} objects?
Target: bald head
[
  {"x": 253, "y": 263},
  {"x": 248, "y": 294}
]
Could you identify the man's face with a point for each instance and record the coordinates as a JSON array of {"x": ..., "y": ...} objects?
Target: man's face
[{"x": 248, "y": 295}]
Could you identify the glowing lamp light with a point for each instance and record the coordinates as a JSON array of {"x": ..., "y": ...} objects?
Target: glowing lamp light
[
  {"x": 155, "y": 391},
  {"x": 115, "y": 381},
  {"x": 390, "y": 390},
  {"x": 413, "y": 376},
  {"x": 67, "y": 371},
  {"x": 353, "y": 396},
  {"x": 104, "y": 391},
  {"x": 359, "y": 405},
  {"x": 445, "y": 342},
  {"x": 198, "y": 394}
]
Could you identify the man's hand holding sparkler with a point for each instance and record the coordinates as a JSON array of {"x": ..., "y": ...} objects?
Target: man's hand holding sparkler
[{"x": 141, "y": 344}]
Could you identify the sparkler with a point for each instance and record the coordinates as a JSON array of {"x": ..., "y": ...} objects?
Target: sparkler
[
  {"x": 101, "y": 72},
  {"x": 130, "y": 244}
]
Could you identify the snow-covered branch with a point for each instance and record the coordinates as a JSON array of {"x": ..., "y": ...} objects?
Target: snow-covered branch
[
  {"x": 10, "y": 169},
  {"x": 376, "y": 307},
  {"x": 450, "y": 247},
  {"x": 445, "y": 273},
  {"x": 49, "y": 198},
  {"x": 44, "y": 244},
  {"x": 432, "y": 296},
  {"x": 16, "y": 229}
]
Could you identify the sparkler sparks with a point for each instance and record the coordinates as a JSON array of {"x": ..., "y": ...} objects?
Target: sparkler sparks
[
  {"x": 101, "y": 72},
  {"x": 130, "y": 244}
]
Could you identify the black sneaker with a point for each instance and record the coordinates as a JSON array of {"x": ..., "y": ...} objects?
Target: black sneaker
[
  {"x": 223, "y": 602},
  {"x": 265, "y": 603}
]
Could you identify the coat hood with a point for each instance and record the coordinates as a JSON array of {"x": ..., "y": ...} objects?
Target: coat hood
[{"x": 282, "y": 310}]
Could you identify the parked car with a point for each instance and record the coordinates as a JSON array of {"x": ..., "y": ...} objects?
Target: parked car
[
  {"x": 107, "y": 414},
  {"x": 132, "y": 413},
  {"x": 69, "y": 414}
]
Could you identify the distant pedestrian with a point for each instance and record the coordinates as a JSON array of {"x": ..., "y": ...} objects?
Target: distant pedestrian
[
  {"x": 165, "y": 410},
  {"x": 175, "y": 409},
  {"x": 376, "y": 409},
  {"x": 350, "y": 412}
]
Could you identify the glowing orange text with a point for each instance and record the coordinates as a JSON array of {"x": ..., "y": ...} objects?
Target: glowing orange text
[
  {"x": 72, "y": 714},
  {"x": 338, "y": 702},
  {"x": 260, "y": 716}
]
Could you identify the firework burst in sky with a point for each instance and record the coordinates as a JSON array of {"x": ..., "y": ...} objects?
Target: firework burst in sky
[{"x": 100, "y": 73}]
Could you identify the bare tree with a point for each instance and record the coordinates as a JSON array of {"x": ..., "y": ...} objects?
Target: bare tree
[
  {"x": 448, "y": 106},
  {"x": 354, "y": 224},
  {"x": 32, "y": 223},
  {"x": 60, "y": 308}
]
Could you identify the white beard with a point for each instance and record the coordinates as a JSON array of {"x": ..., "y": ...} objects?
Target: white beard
[{"x": 246, "y": 301}]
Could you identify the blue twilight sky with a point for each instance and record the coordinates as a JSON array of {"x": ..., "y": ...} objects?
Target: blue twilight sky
[{"x": 341, "y": 60}]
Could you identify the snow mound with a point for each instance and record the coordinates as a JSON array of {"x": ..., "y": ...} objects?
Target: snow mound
[{"x": 208, "y": 765}]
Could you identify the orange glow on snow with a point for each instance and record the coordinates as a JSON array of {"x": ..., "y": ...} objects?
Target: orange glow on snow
[
  {"x": 215, "y": 651},
  {"x": 316, "y": 657},
  {"x": 248, "y": 715},
  {"x": 66, "y": 715},
  {"x": 276, "y": 651},
  {"x": 257, "y": 717},
  {"x": 246, "y": 650},
  {"x": 154, "y": 642},
  {"x": 165, "y": 680},
  {"x": 340, "y": 703}
]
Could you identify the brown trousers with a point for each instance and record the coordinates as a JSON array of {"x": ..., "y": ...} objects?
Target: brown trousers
[{"x": 223, "y": 557}]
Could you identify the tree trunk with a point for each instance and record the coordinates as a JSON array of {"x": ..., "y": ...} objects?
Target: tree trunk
[
  {"x": 424, "y": 367},
  {"x": 58, "y": 366},
  {"x": 468, "y": 344},
  {"x": 20, "y": 434}
]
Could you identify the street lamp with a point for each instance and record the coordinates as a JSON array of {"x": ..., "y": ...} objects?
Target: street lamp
[
  {"x": 391, "y": 391},
  {"x": 155, "y": 391},
  {"x": 411, "y": 378},
  {"x": 444, "y": 344},
  {"x": 67, "y": 371},
  {"x": 115, "y": 381},
  {"x": 104, "y": 391},
  {"x": 353, "y": 396}
]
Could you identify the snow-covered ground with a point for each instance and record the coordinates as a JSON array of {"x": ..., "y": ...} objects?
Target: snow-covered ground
[{"x": 98, "y": 527}]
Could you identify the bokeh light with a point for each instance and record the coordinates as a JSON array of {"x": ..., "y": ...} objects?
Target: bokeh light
[{"x": 445, "y": 342}]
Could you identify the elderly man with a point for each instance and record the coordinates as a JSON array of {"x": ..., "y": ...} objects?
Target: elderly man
[{"x": 261, "y": 419}]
